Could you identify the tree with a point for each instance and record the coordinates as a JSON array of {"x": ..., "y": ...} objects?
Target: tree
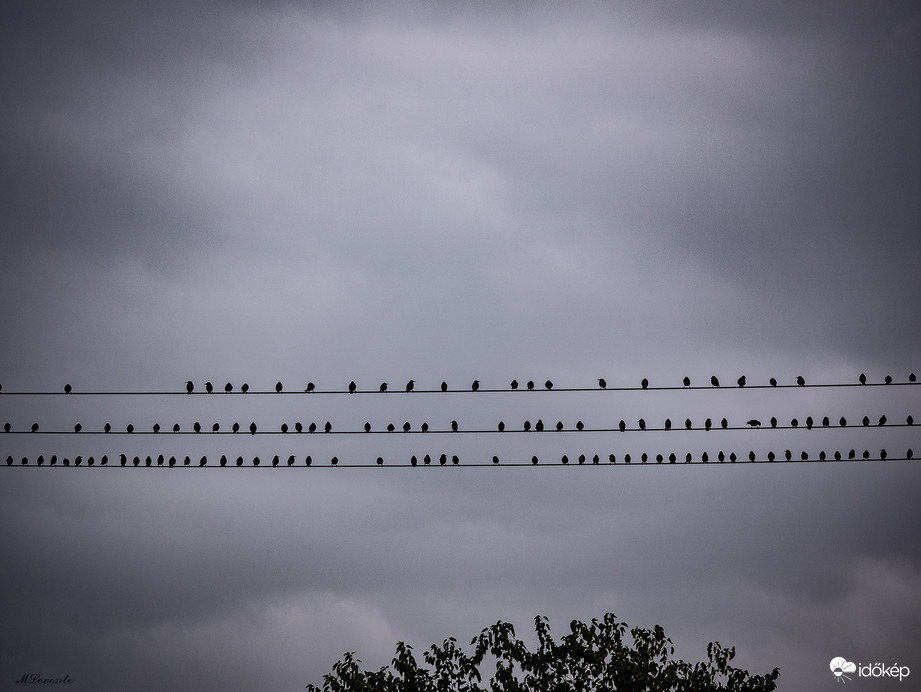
[{"x": 595, "y": 657}]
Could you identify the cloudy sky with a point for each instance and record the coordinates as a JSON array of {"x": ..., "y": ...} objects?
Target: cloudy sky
[{"x": 326, "y": 192}]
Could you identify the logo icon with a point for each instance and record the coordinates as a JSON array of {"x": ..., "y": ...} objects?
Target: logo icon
[{"x": 839, "y": 667}]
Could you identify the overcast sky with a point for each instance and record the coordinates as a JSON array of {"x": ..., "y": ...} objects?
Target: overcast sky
[{"x": 254, "y": 192}]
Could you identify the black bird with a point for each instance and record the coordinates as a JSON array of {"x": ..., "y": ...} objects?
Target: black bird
[
  {"x": 773, "y": 422},
  {"x": 687, "y": 424},
  {"x": 751, "y": 455},
  {"x": 622, "y": 425},
  {"x": 291, "y": 461},
  {"x": 912, "y": 378},
  {"x": 239, "y": 461},
  {"x": 278, "y": 387},
  {"x": 410, "y": 385},
  {"x": 714, "y": 381},
  {"x": 612, "y": 459},
  {"x": 825, "y": 422},
  {"x": 185, "y": 462},
  {"x": 475, "y": 386},
  {"x": 275, "y": 460},
  {"x": 687, "y": 458},
  {"x": 721, "y": 456},
  {"x": 209, "y": 387},
  {"x": 334, "y": 461},
  {"x": 866, "y": 454},
  {"x": 742, "y": 381},
  {"x": 530, "y": 385},
  {"x": 252, "y": 428},
  {"x": 425, "y": 426},
  {"x": 156, "y": 428},
  {"x": 34, "y": 427},
  {"x": 626, "y": 458},
  {"x": 548, "y": 384},
  {"x": 882, "y": 454},
  {"x": 642, "y": 424},
  {"x": 256, "y": 461},
  {"x": 672, "y": 458},
  {"x": 724, "y": 424},
  {"x": 444, "y": 386},
  {"x": 514, "y": 384},
  {"x": 380, "y": 461},
  {"x": 837, "y": 456},
  {"x": 244, "y": 389},
  {"x": 189, "y": 386},
  {"x": 888, "y": 379},
  {"x": 644, "y": 383},
  {"x": 909, "y": 454},
  {"x": 454, "y": 425},
  {"x": 299, "y": 427},
  {"x": 527, "y": 425},
  {"x": 708, "y": 424},
  {"x": 427, "y": 459},
  {"x": 732, "y": 457},
  {"x": 842, "y": 422},
  {"x": 862, "y": 378},
  {"x": 228, "y": 387},
  {"x": 754, "y": 422},
  {"x": 495, "y": 460},
  {"x": 596, "y": 459},
  {"x": 443, "y": 459},
  {"x": 559, "y": 426},
  {"x": 788, "y": 455},
  {"x": 687, "y": 382},
  {"x": 68, "y": 389},
  {"x": 658, "y": 458},
  {"x": 851, "y": 454},
  {"x": 284, "y": 427},
  {"x": 804, "y": 455},
  {"x": 773, "y": 382},
  {"x": 882, "y": 420},
  {"x": 312, "y": 427},
  {"x": 809, "y": 422},
  {"x": 910, "y": 420},
  {"x": 539, "y": 426},
  {"x": 770, "y": 456},
  {"x": 579, "y": 426},
  {"x": 602, "y": 383},
  {"x": 78, "y": 428},
  {"x": 367, "y": 427},
  {"x": 413, "y": 461},
  {"x": 310, "y": 387},
  {"x": 122, "y": 459},
  {"x": 175, "y": 427},
  {"x": 406, "y": 427},
  {"x": 534, "y": 460},
  {"x": 6, "y": 427},
  {"x": 581, "y": 458},
  {"x": 108, "y": 428},
  {"x": 236, "y": 427},
  {"x": 328, "y": 427},
  {"x": 41, "y": 459},
  {"x": 865, "y": 421},
  {"x": 384, "y": 387},
  {"x": 130, "y": 428},
  {"x": 391, "y": 427},
  {"x": 352, "y": 387},
  {"x": 794, "y": 423},
  {"x": 800, "y": 381}
]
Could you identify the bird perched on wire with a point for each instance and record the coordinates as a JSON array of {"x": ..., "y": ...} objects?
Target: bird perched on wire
[
  {"x": 622, "y": 425},
  {"x": 189, "y": 386},
  {"x": 352, "y": 387},
  {"x": 687, "y": 382},
  {"x": 514, "y": 384},
  {"x": 809, "y": 422},
  {"x": 410, "y": 385},
  {"x": 406, "y": 427},
  {"x": 475, "y": 386},
  {"x": 383, "y": 387},
  {"x": 527, "y": 425},
  {"x": 668, "y": 423},
  {"x": 888, "y": 379},
  {"x": 602, "y": 383},
  {"x": 68, "y": 389},
  {"x": 714, "y": 381},
  {"x": 644, "y": 383},
  {"x": 209, "y": 387},
  {"x": 244, "y": 388},
  {"x": 742, "y": 381},
  {"x": 724, "y": 424},
  {"x": 708, "y": 424},
  {"x": 278, "y": 387},
  {"x": 312, "y": 427},
  {"x": 642, "y": 424},
  {"x": 530, "y": 385},
  {"x": 310, "y": 387},
  {"x": 78, "y": 428},
  {"x": 862, "y": 379},
  {"x": 754, "y": 423},
  {"x": 773, "y": 382},
  {"x": 559, "y": 426},
  {"x": 34, "y": 427},
  {"x": 444, "y": 386},
  {"x": 228, "y": 387},
  {"x": 501, "y": 426},
  {"x": 252, "y": 428},
  {"x": 328, "y": 427},
  {"x": 539, "y": 426},
  {"x": 236, "y": 427},
  {"x": 549, "y": 385},
  {"x": 800, "y": 380},
  {"x": 454, "y": 425}
]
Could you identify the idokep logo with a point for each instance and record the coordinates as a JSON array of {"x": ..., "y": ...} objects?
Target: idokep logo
[{"x": 840, "y": 667}]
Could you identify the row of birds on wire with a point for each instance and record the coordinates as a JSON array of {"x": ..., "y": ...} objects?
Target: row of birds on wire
[
  {"x": 809, "y": 423},
  {"x": 514, "y": 385},
  {"x": 443, "y": 459}
]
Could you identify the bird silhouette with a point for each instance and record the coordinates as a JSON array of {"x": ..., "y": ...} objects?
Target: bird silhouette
[
  {"x": 278, "y": 387},
  {"x": 236, "y": 427},
  {"x": 312, "y": 427},
  {"x": 527, "y": 425},
  {"x": 549, "y": 385},
  {"x": 443, "y": 459},
  {"x": 644, "y": 383},
  {"x": 602, "y": 383},
  {"x": 882, "y": 454},
  {"x": 530, "y": 385},
  {"x": 842, "y": 422},
  {"x": 367, "y": 427},
  {"x": 252, "y": 428},
  {"x": 425, "y": 427},
  {"x": 626, "y": 458},
  {"x": 427, "y": 459},
  {"x": 108, "y": 428},
  {"x": 454, "y": 425},
  {"x": 391, "y": 427},
  {"x": 559, "y": 426},
  {"x": 156, "y": 428},
  {"x": 475, "y": 386},
  {"x": 380, "y": 461},
  {"x": 612, "y": 459},
  {"x": 410, "y": 385},
  {"x": 239, "y": 461},
  {"x": 773, "y": 382},
  {"x": 822, "y": 455},
  {"x": 794, "y": 423},
  {"x": 809, "y": 422},
  {"x": 773, "y": 422},
  {"x": 732, "y": 457},
  {"x": 596, "y": 459},
  {"x": 384, "y": 387},
  {"x": 751, "y": 455},
  {"x": 495, "y": 460},
  {"x": 724, "y": 424},
  {"x": 209, "y": 387},
  {"x": 78, "y": 428},
  {"x": 804, "y": 455},
  {"x": 882, "y": 420},
  {"x": 413, "y": 461},
  {"x": 800, "y": 381},
  {"x": 34, "y": 427},
  {"x": 622, "y": 425},
  {"x": 708, "y": 424},
  {"x": 852, "y": 454},
  {"x": 837, "y": 456},
  {"x": 501, "y": 426},
  {"x": 912, "y": 378},
  {"x": 865, "y": 421},
  {"x": 909, "y": 454},
  {"x": 284, "y": 427},
  {"x": 328, "y": 427},
  {"x": 539, "y": 426},
  {"x": 687, "y": 424},
  {"x": 444, "y": 386},
  {"x": 228, "y": 387},
  {"x": 862, "y": 379},
  {"x": 299, "y": 427},
  {"x": 68, "y": 389},
  {"x": 41, "y": 459},
  {"x": 910, "y": 420},
  {"x": 714, "y": 381},
  {"x": 130, "y": 428},
  {"x": 514, "y": 384},
  {"x": 642, "y": 424},
  {"x": 310, "y": 387},
  {"x": 334, "y": 461},
  {"x": 668, "y": 423},
  {"x": 244, "y": 388},
  {"x": 866, "y": 454},
  {"x": 721, "y": 456},
  {"x": 742, "y": 381},
  {"x": 534, "y": 460},
  {"x": 6, "y": 427},
  {"x": 672, "y": 458},
  {"x": 687, "y": 458},
  {"x": 291, "y": 460},
  {"x": 888, "y": 379},
  {"x": 788, "y": 454},
  {"x": 352, "y": 387},
  {"x": 754, "y": 423},
  {"x": 687, "y": 381},
  {"x": 770, "y": 456},
  {"x": 579, "y": 426},
  {"x": 275, "y": 460},
  {"x": 455, "y": 459},
  {"x": 189, "y": 386},
  {"x": 825, "y": 422},
  {"x": 658, "y": 458},
  {"x": 406, "y": 426}
]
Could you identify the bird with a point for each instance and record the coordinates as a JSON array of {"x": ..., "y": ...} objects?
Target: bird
[
  {"x": 754, "y": 423},
  {"x": 455, "y": 459},
  {"x": 406, "y": 427},
  {"x": 534, "y": 460},
  {"x": 413, "y": 461},
  {"x": 334, "y": 461},
  {"x": 837, "y": 456},
  {"x": 742, "y": 381},
  {"x": 825, "y": 422},
  {"x": 367, "y": 427},
  {"x": 809, "y": 422},
  {"x": 34, "y": 427},
  {"x": 189, "y": 386},
  {"x": 602, "y": 383},
  {"x": 454, "y": 425},
  {"x": 410, "y": 385},
  {"x": 596, "y": 459},
  {"x": 328, "y": 427},
  {"x": 527, "y": 425},
  {"x": 209, "y": 387},
  {"x": 909, "y": 421},
  {"x": 882, "y": 454},
  {"x": 724, "y": 424},
  {"x": 291, "y": 460},
  {"x": 495, "y": 460},
  {"x": 252, "y": 428},
  {"x": 391, "y": 427},
  {"x": 794, "y": 423},
  {"x": 425, "y": 426},
  {"x": 751, "y": 455},
  {"x": 539, "y": 426},
  {"x": 612, "y": 459},
  {"x": 626, "y": 458},
  {"x": 443, "y": 459},
  {"x": 284, "y": 427},
  {"x": 672, "y": 458},
  {"x": 622, "y": 425},
  {"x": 773, "y": 422},
  {"x": 800, "y": 381},
  {"x": 299, "y": 427},
  {"x": 668, "y": 423},
  {"x": 156, "y": 428},
  {"x": 882, "y": 420},
  {"x": 6, "y": 427},
  {"x": 559, "y": 426},
  {"x": 275, "y": 460},
  {"x": 788, "y": 455},
  {"x": 912, "y": 378},
  {"x": 687, "y": 424},
  {"x": 687, "y": 381},
  {"x": 514, "y": 384},
  {"x": 842, "y": 422},
  {"x": 865, "y": 421},
  {"x": 714, "y": 381},
  {"x": 804, "y": 455},
  {"x": 909, "y": 454},
  {"x": 444, "y": 386},
  {"x": 108, "y": 428},
  {"x": 644, "y": 383},
  {"x": 243, "y": 388},
  {"x": 708, "y": 424},
  {"x": 312, "y": 427},
  {"x": 581, "y": 458},
  {"x": 687, "y": 458},
  {"x": 236, "y": 427},
  {"x": 41, "y": 459},
  {"x": 78, "y": 428},
  {"x": 278, "y": 387},
  {"x": 130, "y": 428},
  {"x": 383, "y": 387},
  {"x": 866, "y": 454},
  {"x": 239, "y": 461},
  {"x": 579, "y": 426},
  {"x": 68, "y": 389},
  {"x": 642, "y": 424},
  {"x": 773, "y": 382},
  {"x": 427, "y": 459},
  {"x": 380, "y": 461},
  {"x": 310, "y": 387},
  {"x": 549, "y": 385},
  {"x": 352, "y": 387},
  {"x": 851, "y": 454},
  {"x": 721, "y": 456},
  {"x": 771, "y": 456},
  {"x": 228, "y": 387},
  {"x": 888, "y": 379},
  {"x": 530, "y": 385},
  {"x": 862, "y": 379},
  {"x": 475, "y": 386}
]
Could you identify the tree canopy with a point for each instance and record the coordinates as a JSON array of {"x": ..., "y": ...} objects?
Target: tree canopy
[{"x": 603, "y": 656}]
